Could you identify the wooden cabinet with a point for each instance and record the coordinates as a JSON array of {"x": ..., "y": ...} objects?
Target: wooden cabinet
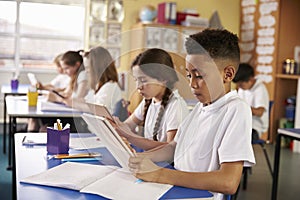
[
  {"x": 104, "y": 25},
  {"x": 168, "y": 37},
  {"x": 288, "y": 37}
]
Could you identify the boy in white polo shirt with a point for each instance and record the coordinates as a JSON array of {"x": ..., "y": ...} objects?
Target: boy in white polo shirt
[
  {"x": 255, "y": 93},
  {"x": 208, "y": 150}
]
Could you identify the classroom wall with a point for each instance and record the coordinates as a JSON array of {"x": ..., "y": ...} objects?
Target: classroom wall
[{"x": 228, "y": 11}]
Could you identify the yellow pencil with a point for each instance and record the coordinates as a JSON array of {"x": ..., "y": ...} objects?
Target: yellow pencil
[{"x": 58, "y": 125}]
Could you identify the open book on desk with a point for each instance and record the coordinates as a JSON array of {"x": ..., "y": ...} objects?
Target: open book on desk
[
  {"x": 98, "y": 179},
  {"x": 55, "y": 107},
  {"x": 79, "y": 143}
]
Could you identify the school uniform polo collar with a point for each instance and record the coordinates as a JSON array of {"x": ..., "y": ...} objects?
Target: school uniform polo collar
[
  {"x": 256, "y": 84},
  {"x": 220, "y": 102}
]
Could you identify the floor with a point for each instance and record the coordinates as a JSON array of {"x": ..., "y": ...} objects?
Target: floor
[{"x": 259, "y": 182}]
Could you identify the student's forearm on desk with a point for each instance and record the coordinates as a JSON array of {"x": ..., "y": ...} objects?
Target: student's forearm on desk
[{"x": 225, "y": 180}]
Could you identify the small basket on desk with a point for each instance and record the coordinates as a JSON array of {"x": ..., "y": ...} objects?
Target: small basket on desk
[{"x": 58, "y": 141}]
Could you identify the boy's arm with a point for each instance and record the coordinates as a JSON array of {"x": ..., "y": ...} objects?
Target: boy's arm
[
  {"x": 164, "y": 152},
  {"x": 225, "y": 180},
  {"x": 258, "y": 111}
]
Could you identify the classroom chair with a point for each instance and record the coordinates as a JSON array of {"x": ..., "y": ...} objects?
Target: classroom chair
[{"x": 121, "y": 110}]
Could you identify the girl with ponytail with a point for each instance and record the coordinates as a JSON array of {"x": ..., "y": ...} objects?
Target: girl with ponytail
[
  {"x": 72, "y": 65},
  {"x": 162, "y": 108}
]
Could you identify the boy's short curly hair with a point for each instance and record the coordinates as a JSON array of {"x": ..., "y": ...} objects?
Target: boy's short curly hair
[{"x": 217, "y": 43}]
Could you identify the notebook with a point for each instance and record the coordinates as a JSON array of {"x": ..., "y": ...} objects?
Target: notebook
[
  {"x": 107, "y": 181},
  {"x": 109, "y": 137},
  {"x": 33, "y": 80},
  {"x": 100, "y": 110}
]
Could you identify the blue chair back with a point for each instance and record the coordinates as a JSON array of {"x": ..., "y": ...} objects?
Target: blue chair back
[{"x": 121, "y": 110}]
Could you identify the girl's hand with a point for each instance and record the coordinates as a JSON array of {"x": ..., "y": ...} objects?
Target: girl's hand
[
  {"x": 68, "y": 102},
  {"x": 39, "y": 86},
  {"x": 122, "y": 128},
  {"x": 143, "y": 168},
  {"x": 53, "y": 97}
]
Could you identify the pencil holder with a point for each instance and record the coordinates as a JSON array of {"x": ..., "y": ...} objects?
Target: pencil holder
[
  {"x": 14, "y": 84},
  {"x": 58, "y": 141},
  {"x": 32, "y": 98}
]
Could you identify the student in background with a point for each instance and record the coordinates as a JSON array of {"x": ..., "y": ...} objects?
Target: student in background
[
  {"x": 102, "y": 80},
  {"x": 72, "y": 64},
  {"x": 60, "y": 82},
  {"x": 162, "y": 109},
  {"x": 208, "y": 150},
  {"x": 255, "y": 93}
]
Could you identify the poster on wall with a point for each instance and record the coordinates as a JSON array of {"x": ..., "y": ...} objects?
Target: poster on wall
[{"x": 257, "y": 37}]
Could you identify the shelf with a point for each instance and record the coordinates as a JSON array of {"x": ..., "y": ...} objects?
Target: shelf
[
  {"x": 287, "y": 76},
  {"x": 172, "y": 26}
]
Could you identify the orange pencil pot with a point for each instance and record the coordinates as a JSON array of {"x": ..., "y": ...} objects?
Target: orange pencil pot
[{"x": 58, "y": 141}]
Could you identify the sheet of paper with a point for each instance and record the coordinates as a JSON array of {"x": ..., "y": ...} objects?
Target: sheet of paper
[
  {"x": 85, "y": 143},
  {"x": 50, "y": 106},
  {"x": 36, "y": 139},
  {"x": 80, "y": 143},
  {"x": 125, "y": 187},
  {"x": 110, "y": 138},
  {"x": 70, "y": 175}
]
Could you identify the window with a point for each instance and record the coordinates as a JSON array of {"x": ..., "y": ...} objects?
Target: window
[{"x": 33, "y": 32}]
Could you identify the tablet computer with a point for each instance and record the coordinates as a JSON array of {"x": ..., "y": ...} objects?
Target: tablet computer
[
  {"x": 102, "y": 128},
  {"x": 100, "y": 110}
]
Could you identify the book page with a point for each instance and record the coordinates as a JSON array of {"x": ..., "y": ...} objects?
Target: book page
[
  {"x": 112, "y": 141},
  {"x": 125, "y": 187},
  {"x": 85, "y": 143},
  {"x": 49, "y": 106},
  {"x": 36, "y": 139},
  {"x": 100, "y": 110},
  {"x": 70, "y": 175},
  {"x": 80, "y": 143},
  {"x": 32, "y": 79}
]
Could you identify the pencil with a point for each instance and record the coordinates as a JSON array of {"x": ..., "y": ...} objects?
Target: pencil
[
  {"x": 79, "y": 159},
  {"x": 81, "y": 155},
  {"x": 58, "y": 125}
]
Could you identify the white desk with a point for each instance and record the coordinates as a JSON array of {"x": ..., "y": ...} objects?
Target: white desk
[
  {"x": 290, "y": 133},
  {"x": 6, "y": 90},
  {"x": 17, "y": 107}
]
